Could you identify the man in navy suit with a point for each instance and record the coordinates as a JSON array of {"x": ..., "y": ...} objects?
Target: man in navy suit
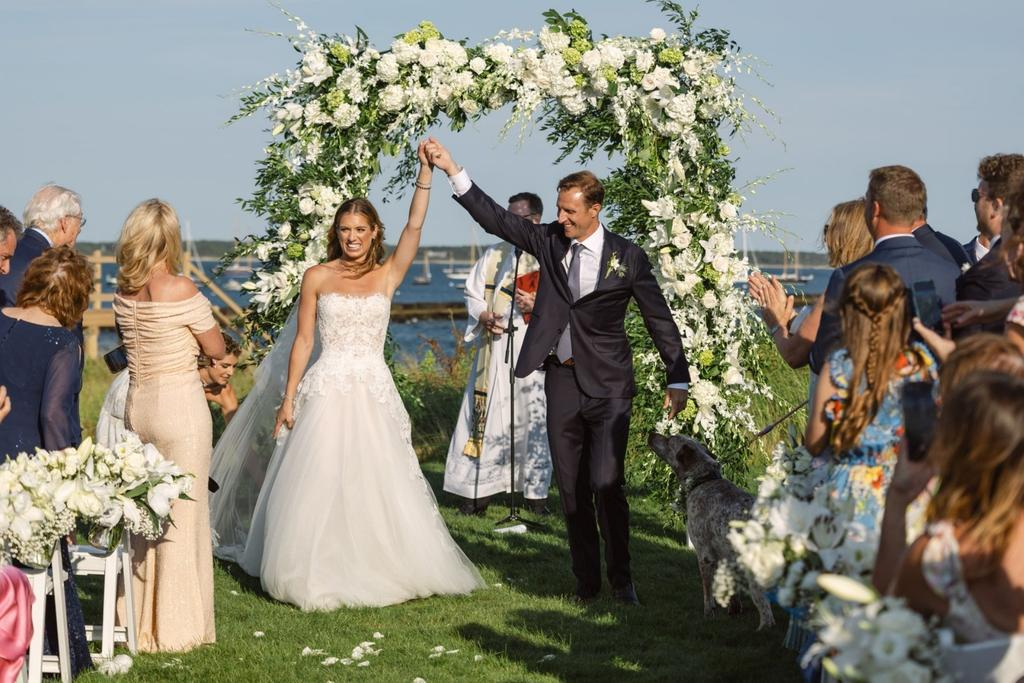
[
  {"x": 940, "y": 243},
  {"x": 577, "y": 333},
  {"x": 10, "y": 230},
  {"x": 53, "y": 218},
  {"x": 893, "y": 204}
]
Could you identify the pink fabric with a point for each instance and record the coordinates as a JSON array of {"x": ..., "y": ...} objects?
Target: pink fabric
[{"x": 15, "y": 622}]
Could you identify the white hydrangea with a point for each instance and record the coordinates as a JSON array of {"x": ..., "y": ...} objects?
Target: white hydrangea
[
  {"x": 499, "y": 53},
  {"x": 393, "y": 98},
  {"x": 387, "y": 68},
  {"x": 345, "y": 115}
]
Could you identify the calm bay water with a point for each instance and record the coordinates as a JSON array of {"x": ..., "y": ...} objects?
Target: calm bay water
[{"x": 411, "y": 336}]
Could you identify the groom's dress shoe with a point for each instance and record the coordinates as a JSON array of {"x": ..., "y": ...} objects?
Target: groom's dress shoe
[
  {"x": 583, "y": 599},
  {"x": 627, "y": 595}
]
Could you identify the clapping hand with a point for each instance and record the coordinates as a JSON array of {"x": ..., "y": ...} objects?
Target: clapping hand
[{"x": 776, "y": 306}]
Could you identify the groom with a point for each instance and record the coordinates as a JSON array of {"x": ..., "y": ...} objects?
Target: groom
[{"x": 577, "y": 333}]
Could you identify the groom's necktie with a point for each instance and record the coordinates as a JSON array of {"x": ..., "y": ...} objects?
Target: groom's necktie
[{"x": 564, "y": 350}]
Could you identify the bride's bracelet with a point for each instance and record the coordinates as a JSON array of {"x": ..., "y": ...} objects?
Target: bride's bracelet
[{"x": 421, "y": 186}]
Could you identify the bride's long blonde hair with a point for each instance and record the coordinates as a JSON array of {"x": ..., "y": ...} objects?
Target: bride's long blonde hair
[{"x": 151, "y": 236}]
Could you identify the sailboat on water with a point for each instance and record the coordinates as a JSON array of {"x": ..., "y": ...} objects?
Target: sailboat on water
[
  {"x": 457, "y": 276},
  {"x": 424, "y": 278},
  {"x": 795, "y": 275}
]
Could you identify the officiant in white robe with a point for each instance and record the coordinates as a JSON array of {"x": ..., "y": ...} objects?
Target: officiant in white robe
[{"x": 478, "y": 463}]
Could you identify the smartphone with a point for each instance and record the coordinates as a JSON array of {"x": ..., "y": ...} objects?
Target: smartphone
[
  {"x": 926, "y": 305},
  {"x": 919, "y": 412}
]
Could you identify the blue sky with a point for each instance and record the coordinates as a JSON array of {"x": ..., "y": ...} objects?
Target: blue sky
[{"x": 123, "y": 100}]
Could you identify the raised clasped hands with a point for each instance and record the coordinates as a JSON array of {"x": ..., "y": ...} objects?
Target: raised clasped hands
[
  {"x": 440, "y": 157},
  {"x": 423, "y": 155},
  {"x": 675, "y": 401},
  {"x": 5, "y": 403}
]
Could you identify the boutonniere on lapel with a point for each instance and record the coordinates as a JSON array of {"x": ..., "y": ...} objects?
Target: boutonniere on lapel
[{"x": 615, "y": 266}]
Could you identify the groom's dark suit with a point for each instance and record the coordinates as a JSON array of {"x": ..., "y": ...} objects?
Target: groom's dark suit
[{"x": 589, "y": 401}]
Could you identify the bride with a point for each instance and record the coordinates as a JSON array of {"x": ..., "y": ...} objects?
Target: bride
[{"x": 344, "y": 516}]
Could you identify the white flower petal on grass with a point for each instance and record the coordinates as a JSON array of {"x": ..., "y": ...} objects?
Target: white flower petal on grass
[
  {"x": 116, "y": 666},
  {"x": 377, "y": 635},
  {"x": 346, "y": 661},
  {"x": 478, "y": 658},
  {"x": 235, "y": 593},
  {"x": 439, "y": 648},
  {"x": 330, "y": 661},
  {"x": 363, "y": 664},
  {"x": 435, "y": 655},
  {"x": 310, "y": 652},
  {"x": 418, "y": 680},
  {"x": 546, "y": 658},
  {"x": 258, "y": 634}
]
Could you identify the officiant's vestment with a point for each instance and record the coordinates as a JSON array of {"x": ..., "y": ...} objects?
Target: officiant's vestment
[
  {"x": 488, "y": 470},
  {"x": 589, "y": 380}
]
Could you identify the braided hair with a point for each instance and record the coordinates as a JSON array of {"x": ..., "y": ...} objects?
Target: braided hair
[{"x": 876, "y": 320}]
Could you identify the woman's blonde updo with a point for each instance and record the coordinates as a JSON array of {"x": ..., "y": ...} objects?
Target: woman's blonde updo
[{"x": 151, "y": 236}]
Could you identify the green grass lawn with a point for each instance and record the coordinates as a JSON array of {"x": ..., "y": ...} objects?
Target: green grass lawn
[{"x": 520, "y": 627}]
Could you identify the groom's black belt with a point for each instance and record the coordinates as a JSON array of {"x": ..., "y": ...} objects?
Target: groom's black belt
[{"x": 568, "y": 362}]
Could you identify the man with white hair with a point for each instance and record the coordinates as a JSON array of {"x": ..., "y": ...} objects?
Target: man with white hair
[{"x": 53, "y": 218}]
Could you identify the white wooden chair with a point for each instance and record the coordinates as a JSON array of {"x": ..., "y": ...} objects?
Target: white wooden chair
[
  {"x": 112, "y": 565},
  {"x": 992, "y": 661},
  {"x": 44, "y": 582}
]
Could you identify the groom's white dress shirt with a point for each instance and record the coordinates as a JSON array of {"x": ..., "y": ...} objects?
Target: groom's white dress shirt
[{"x": 590, "y": 255}]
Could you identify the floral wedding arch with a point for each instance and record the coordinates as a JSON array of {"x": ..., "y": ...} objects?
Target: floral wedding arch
[{"x": 658, "y": 102}]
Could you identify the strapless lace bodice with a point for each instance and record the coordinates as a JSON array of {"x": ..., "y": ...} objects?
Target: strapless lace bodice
[
  {"x": 353, "y": 325},
  {"x": 352, "y": 331}
]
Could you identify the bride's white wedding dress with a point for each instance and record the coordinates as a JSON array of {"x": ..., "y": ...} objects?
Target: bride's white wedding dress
[{"x": 345, "y": 516}]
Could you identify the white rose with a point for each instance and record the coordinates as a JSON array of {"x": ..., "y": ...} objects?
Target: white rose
[
  {"x": 444, "y": 93},
  {"x": 470, "y": 106},
  {"x": 306, "y": 206},
  {"x": 733, "y": 376},
  {"x": 387, "y": 68},
  {"x": 657, "y": 35},
  {"x": 681, "y": 108},
  {"x": 553, "y": 41},
  {"x": 889, "y": 650},
  {"x": 709, "y": 300},
  {"x": 500, "y": 53},
  {"x": 315, "y": 68},
  {"x": 668, "y": 270},
  {"x": 429, "y": 58},
  {"x": 691, "y": 67},
  {"x": 478, "y": 65},
  {"x": 591, "y": 60},
  {"x": 901, "y": 621},
  {"x": 644, "y": 60},
  {"x": 727, "y": 211},
  {"x": 284, "y": 230}
]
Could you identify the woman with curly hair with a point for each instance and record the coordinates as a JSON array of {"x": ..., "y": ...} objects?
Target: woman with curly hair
[{"x": 856, "y": 420}]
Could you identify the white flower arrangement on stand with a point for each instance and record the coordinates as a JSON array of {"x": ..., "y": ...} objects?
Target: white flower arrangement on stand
[
  {"x": 660, "y": 100},
  {"x": 107, "y": 492},
  {"x": 798, "y": 530},
  {"x": 31, "y": 518},
  {"x": 865, "y": 637}
]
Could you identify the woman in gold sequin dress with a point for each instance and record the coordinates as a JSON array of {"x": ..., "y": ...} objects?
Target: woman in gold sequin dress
[{"x": 164, "y": 323}]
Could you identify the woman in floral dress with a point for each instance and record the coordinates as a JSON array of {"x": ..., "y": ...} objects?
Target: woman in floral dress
[{"x": 856, "y": 420}]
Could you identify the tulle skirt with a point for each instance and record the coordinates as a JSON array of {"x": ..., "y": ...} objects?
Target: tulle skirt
[{"x": 345, "y": 516}]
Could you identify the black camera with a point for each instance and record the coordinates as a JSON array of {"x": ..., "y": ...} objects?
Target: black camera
[{"x": 116, "y": 360}]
